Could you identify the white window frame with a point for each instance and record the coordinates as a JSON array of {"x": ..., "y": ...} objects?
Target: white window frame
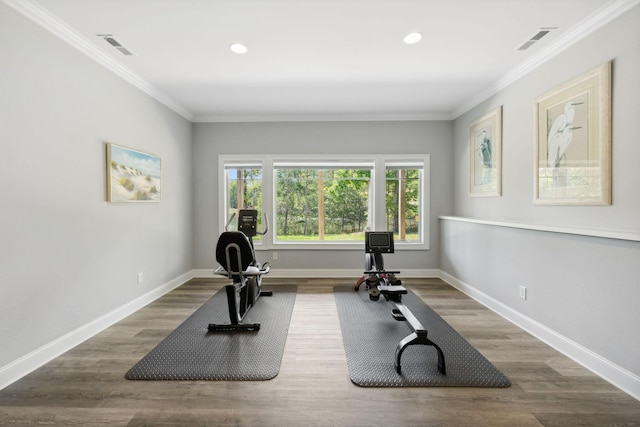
[{"x": 378, "y": 214}]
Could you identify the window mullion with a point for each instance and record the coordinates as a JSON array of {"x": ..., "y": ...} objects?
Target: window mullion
[
  {"x": 267, "y": 200},
  {"x": 379, "y": 196}
]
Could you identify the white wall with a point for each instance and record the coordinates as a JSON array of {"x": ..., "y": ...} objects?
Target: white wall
[
  {"x": 67, "y": 257},
  {"x": 213, "y": 139},
  {"x": 584, "y": 289}
]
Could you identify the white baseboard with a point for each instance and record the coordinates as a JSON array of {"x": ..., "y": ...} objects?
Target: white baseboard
[
  {"x": 616, "y": 375},
  {"x": 32, "y": 361}
]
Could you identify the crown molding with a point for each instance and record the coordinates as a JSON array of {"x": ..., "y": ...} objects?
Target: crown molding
[
  {"x": 320, "y": 118},
  {"x": 51, "y": 23},
  {"x": 597, "y": 20}
]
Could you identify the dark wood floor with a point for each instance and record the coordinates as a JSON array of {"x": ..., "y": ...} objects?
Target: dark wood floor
[{"x": 86, "y": 386}]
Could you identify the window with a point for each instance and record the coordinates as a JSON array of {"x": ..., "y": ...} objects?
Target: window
[
  {"x": 403, "y": 200},
  {"x": 243, "y": 189},
  {"x": 321, "y": 201},
  {"x": 329, "y": 201}
]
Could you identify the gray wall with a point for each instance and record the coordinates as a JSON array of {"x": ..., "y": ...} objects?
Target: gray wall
[
  {"x": 212, "y": 139},
  {"x": 618, "y": 41},
  {"x": 67, "y": 256},
  {"x": 584, "y": 288}
]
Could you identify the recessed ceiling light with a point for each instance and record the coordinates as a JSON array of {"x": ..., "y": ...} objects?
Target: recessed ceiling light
[
  {"x": 238, "y": 48},
  {"x": 413, "y": 38}
]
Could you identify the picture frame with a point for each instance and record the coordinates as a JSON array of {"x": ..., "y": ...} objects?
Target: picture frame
[
  {"x": 573, "y": 141},
  {"x": 485, "y": 155},
  {"x": 132, "y": 175}
]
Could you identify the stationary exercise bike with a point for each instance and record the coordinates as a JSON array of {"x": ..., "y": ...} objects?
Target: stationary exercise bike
[
  {"x": 379, "y": 281},
  {"x": 236, "y": 255}
]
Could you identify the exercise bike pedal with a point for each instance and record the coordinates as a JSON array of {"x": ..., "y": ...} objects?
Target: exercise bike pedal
[{"x": 397, "y": 314}]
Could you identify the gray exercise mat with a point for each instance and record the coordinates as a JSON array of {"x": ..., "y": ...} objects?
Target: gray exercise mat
[
  {"x": 191, "y": 352},
  {"x": 371, "y": 335}
]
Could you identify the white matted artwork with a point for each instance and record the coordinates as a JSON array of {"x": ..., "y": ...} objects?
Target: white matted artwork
[
  {"x": 485, "y": 155},
  {"x": 132, "y": 176},
  {"x": 573, "y": 141}
]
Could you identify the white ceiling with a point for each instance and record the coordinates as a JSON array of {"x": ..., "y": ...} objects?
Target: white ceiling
[{"x": 320, "y": 59}]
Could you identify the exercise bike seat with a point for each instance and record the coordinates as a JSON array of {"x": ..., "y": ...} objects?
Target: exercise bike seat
[{"x": 237, "y": 257}]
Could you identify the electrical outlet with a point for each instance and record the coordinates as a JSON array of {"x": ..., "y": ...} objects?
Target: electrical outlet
[
  {"x": 275, "y": 255},
  {"x": 523, "y": 292},
  {"x": 140, "y": 278}
]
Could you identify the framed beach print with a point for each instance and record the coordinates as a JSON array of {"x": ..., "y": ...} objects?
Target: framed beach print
[
  {"x": 573, "y": 141},
  {"x": 485, "y": 155},
  {"x": 132, "y": 176}
]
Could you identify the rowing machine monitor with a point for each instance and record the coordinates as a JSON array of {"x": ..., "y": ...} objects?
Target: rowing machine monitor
[{"x": 378, "y": 242}]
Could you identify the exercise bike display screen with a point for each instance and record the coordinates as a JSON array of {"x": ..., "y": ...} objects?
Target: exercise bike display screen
[
  {"x": 379, "y": 241},
  {"x": 247, "y": 220}
]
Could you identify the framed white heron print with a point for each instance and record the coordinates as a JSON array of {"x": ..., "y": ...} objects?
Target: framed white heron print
[
  {"x": 573, "y": 141},
  {"x": 485, "y": 155}
]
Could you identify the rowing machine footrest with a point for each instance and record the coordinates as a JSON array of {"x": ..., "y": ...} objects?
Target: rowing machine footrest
[{"x": 392, "y": 290}]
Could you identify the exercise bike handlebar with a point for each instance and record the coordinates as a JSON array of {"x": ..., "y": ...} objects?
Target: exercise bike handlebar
[
  {"x": 226, "y": 226},
  {"x": 266, "y": 225}
]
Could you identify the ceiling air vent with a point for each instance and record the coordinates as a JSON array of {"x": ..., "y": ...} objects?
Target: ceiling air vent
[
  {"x": 113, "y": 42},
  {"x": 536, "y": 37}
]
